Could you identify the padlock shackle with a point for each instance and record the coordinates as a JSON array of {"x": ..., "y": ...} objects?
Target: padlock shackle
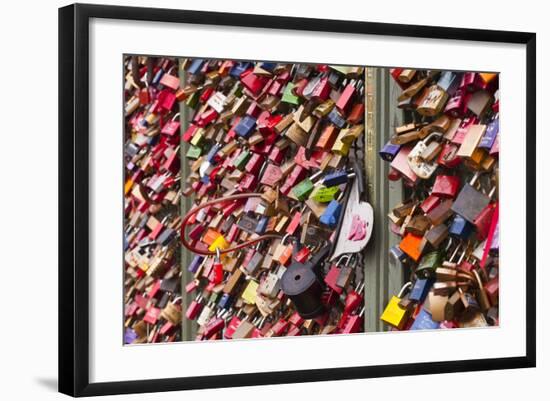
[
  {"x": 347, "y": 256},
  {"x": 405, "y": 287},
  {"x": 475, "y": 178},
  {"x": 478, "y": 279},
  {"x": 428, "y": 139}
]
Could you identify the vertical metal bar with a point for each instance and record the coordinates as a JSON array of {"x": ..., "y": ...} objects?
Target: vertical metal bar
[
  {"x": 395, "y": 271},
  {"x": 187, "y": 327},
  {"x": 372, "y": 265},
  {"x": 382, "y": 279}
]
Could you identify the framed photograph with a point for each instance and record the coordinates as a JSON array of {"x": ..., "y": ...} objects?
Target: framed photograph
[{"x": 252, "y": 199}]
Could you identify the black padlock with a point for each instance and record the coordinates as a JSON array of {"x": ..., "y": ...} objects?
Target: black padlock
[{"x": 301, "y": 284}]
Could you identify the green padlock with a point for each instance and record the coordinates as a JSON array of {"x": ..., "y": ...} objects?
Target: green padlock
[
  {"x": 303, "y": 189},
  {"x": 193, "y": 100},
  {"x": 428, "y": 264},
  {"x": 241, "y": 160},
  {"x": 324, "y": 194},
  {"x": 214, "y": 297},
  {"x": 288, "y": 96},
  {"x": 194, "y": 152}
]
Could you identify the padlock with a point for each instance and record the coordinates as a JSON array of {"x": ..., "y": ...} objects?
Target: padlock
[
  {"x": 172, "y": 312},
  {"x": 428, "y": 263},
  {"x": 400, "y": 164},
  {"x": 410, "y": 244},
  {"x": 354, "y": 299},
  {"x": 393, "y": 314},
  {"x": 482, "y": 222},
  {"x": 470, "y": 202},
  {"x": 194, "y": 308},
  {"x": 353, "y": 323},
  {"x": 433, "y": 103},
  {"x": 471, "y": 140},
  {"x": 446, "y": 186},
  {"x": 420, "y": 290},
  {"x": 389, "y": 151},
  {"x": 490, "y": 135},
  {"x": 449, "y": 81},
  {"x": 448, "y": 156},
  {"x": 482, "y": 297},
  {"x": 331, "y": 214},
  {"x": 422, "y": 168},
  {"x": 424, "y": 321},
  {"x": 301, "y": 285},
  {"x": 460, "y": 227}
]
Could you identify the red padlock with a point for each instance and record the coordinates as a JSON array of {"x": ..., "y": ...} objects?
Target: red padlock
[
  {"x": 152, "y": 315},
  {"x": 214, "y": 326},
  {"x": 446, "y": 186},
  {"x": 447, "y": 157},
  {"x": 354, "y": 299},
  {"x": 483, "y": 221},
  {"x": 194, "y": 308}
]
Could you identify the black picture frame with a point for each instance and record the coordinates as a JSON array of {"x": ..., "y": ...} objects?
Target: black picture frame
[{"x": 74, "y": 198}]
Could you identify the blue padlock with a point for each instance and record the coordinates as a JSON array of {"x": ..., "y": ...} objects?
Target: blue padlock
[
  {"x": 424, "y": 321},
  {"x": 397, "y": 254},
  {"x": 212, "y": 153},
  {"x": 156, "y": 79},
  {"x": 449, "y": 82},
  {"x": 336, "y": 118},
  {"x": 225, "y": 301},
  {"x": 460, "y": 227},
  {"x": 389, "y": 151},
  {"x": 268, "y": 66},
  {"x": 490, "y": 135},
  {"x": 195, "y": 263},
  {"x": 262, "y": 225},
  {"x": 195, "y": 66},
  {"x": 246, "y": 126},
  {"x": 331, "y": 214},
  {"x": 335, "y": 178},
  {"x": 238, "y": 69},
  {"x": 420, "y": 290}
]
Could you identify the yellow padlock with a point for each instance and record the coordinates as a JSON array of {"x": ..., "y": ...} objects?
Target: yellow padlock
[
  {"x": 349, "y": 135},
  {"x": 249, "y": 293},
  {"x": 128, "y": 186},
  {"x": 219, "y": 243},
  {"x": 395, "y": 315},
  {"x": 340, "y": 148},
  {"x": 197, "y": 138}
]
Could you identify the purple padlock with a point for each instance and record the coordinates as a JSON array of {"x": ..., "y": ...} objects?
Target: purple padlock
[
  {"x": 389, "y": 151},
  {"x": 490, "y": 135},
  {"x": 495, "y": 242},
  {"x": 195, "y": 263},
  {"x": 130, "y": 336}
]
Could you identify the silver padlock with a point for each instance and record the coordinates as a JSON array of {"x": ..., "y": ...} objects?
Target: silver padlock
[{"x": 422, "y": 168}]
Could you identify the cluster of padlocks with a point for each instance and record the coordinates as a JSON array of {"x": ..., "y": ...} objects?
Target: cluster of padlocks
[
  {"x": 152, "y": 193},
  {"x": 447, "y": 156},
  {"x": 272, "y": 166}
]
